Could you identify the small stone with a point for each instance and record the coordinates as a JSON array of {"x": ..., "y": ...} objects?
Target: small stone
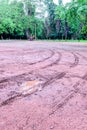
[{"x": 52, "y": 127}]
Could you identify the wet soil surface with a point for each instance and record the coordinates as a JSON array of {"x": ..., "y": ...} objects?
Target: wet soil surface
[{"x": 43, "y": 86}]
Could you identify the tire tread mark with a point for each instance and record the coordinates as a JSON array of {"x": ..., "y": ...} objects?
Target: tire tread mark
[{"x": 76, "y": 61}]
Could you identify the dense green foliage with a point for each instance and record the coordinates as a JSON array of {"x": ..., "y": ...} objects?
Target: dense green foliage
[
  {"x": 19, "y": 20},
  {"x": 71, "y": 20}
]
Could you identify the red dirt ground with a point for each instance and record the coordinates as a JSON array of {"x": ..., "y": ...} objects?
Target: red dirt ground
[{"x": 58, "y": 101}]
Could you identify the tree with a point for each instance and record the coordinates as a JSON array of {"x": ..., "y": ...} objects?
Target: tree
[
  {"x": 60, "y": 16},
  {"x": 60, "y": 2},
  {"x": 22, "y": 19},
  {"x": 50, "y": 20},
  {"x": 17, "y": 19}
]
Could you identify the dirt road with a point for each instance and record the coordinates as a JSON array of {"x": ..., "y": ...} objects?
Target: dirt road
[{"x": 43, "y": 86}]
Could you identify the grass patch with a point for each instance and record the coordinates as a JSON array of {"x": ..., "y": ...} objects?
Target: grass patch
[{"x": 66, "y": 41}]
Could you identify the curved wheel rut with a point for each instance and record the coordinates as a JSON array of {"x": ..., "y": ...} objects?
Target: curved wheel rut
[
  {"x": 42, "y": 88},
  {"x": 53, "y": 59}
]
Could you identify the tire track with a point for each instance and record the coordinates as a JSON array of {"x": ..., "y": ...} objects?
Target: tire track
[
  {"x": 13, "y": 95},
  {"x": 66, "y": 99},
  {"x": 43, "y": 60},
  {"x": 58, "y": 105},
  {"x": 76, "y": 61},
  {"x": 53, "y": 78},
  {"x": 84, "y": 57},
  {"x": 54, "y": 58},
  {"x": 55, "y": 62}
]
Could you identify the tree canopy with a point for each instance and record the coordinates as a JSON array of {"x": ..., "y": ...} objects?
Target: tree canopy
[{"x": 22, "y": 19}]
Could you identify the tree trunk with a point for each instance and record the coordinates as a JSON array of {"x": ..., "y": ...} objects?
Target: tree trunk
[
  {"x": 26, "y": 14},
  {"x": 27, "y": 33},
  {"x": 66, "y": 30},
  {"x": 47, "y": 29}
]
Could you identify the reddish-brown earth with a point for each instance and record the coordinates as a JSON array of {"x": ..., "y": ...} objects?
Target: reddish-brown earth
[{"x": 58, "y": 101}]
